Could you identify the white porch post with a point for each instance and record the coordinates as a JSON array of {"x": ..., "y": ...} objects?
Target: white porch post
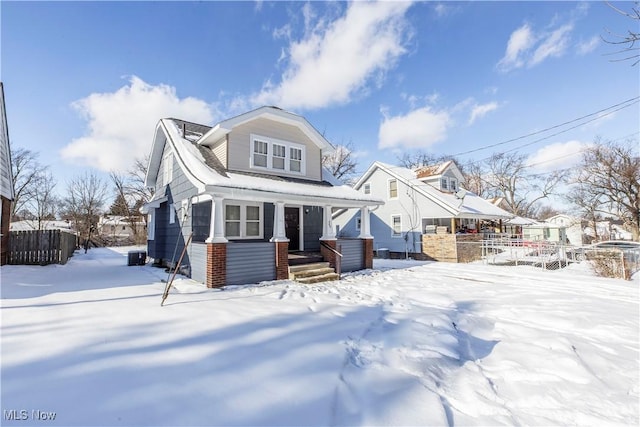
[
  {"x": 365, "y": 229},
  {"x": 328, "y": 233},
  {"x": 279, "y": 233},
  {"x": 216, "y": 229}
]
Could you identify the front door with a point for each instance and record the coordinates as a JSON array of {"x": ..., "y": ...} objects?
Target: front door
[{"x": 292, "y": 227}]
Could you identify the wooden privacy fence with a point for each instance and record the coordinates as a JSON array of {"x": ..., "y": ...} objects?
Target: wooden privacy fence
[{"x": 41, "y": 247}]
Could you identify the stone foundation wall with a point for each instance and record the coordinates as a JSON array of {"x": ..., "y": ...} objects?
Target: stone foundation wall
[{"x": 452, "y": 247}]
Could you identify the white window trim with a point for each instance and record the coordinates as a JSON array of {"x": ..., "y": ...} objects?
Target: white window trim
[
  {"x": 151, "y": 226},
  {"x": 453, "y": 185},
  {"x": 358, "y": 223},
  {"x": 243, "y": 219},
  {"x": 444, "y": 180},
  {"x": 393, "y": 234},
  {"x": 167, "y": 167},
  {"x": 172, "y": 213},
  {"x": 287, "y": 159},
  {"x": 389, "y": 189},
  {"x": 366, "y": 188}
]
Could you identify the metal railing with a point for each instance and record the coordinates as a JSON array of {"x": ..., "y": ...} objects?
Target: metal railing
[{"x": 338, "y": 259}]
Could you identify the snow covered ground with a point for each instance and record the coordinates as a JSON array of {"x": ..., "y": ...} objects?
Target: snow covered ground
[{"x": 404, "y": 344}]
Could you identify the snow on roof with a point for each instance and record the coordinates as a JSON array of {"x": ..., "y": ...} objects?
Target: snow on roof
[
  {"x": 262, "y": 185},
  {"x": 518, "y": 220},
  {"x": 468, "y": 206},
  {"x": 29, "y": 224}
]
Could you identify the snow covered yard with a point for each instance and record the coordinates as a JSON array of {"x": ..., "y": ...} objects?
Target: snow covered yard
[{"x": 404, "y": 344}]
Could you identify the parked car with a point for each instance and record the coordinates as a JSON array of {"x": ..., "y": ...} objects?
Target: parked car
[{"x": 631, "y": 250}]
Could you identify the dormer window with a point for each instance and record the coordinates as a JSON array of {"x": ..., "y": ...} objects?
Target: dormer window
[
  {"x": 454, "y": 185},
  {"x": 276, "y": 155},
  {"x": 444, "y": 184}
]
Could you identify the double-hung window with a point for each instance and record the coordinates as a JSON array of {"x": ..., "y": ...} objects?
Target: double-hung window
[
  {"x": 276, "y": 155},
  {"x": 295, "y": 159},
  {"x": 396, "y": 226},
  {"x": 393, "y": 189},
  {"x": 444, "y": 184},
  {"x": 260, "y": 153},
  {"x": 367, "y": 188},
  {"x": 243, "y": 220},
  {"x": 279, "y": 154}
]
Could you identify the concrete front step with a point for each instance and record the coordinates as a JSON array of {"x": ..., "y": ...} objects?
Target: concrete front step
[
  {"x": 305, "y": 267},
  {"x": 316, "y": 279},
  {"x": 312, "y": 273}
]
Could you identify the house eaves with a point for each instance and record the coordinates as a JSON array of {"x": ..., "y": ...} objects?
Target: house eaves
[{"x": 272, "y": 113}]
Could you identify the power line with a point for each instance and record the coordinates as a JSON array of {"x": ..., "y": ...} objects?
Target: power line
[{"x": 622, "y": 105}]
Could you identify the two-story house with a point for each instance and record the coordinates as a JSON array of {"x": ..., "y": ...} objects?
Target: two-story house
[
  {"x": 243, "y": 195},
  {"x": 426, "y": 213}
]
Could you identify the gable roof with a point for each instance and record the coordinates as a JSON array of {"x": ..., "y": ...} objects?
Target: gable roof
[
  {"x": 468, "y": 206},
  {"x": 272, "y": 113},
  {"x": 6, "y": 177},
  {"x": 436, "y": 171},
  {"x": 206, "y": 173}
]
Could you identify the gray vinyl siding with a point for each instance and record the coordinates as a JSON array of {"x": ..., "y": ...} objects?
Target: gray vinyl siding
[
  {"x": 250, "y": 263},
  {"x": 239, "y": 146},
  {"x": 170, "y": 238},
  {"x": 352, "y": 254},
  {"x": 6, "y": 186},
  {"x": 198, "y": 258}
]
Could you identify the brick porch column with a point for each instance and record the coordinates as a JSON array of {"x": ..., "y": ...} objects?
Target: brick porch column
[
  {"x": 367, "y": 253},
  {"x": 329, "y": 256},
  {"x": 282, "y": 260},
  {"x": 216, "y": 265}
]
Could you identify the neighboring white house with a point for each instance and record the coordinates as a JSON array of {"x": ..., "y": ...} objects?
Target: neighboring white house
[
  {"x": 425, "y": 201},
  {"x": 118, "y": 227},
  {"x": 573, "y": 227}
]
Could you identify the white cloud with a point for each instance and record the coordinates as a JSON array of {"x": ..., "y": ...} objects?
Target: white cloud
[
  {"x": 528, "y": 48},
  {"x": 120, "y": 124},
  {"x": 419, "y": 128},
  {"x": 338, "y": 59},
  {"x": 559, "y": 155},
  {"x": 588, "y": 46},
  {"x": 554, "y": 44},
  {"x": 480, "y": 110},
  {"x": 519, "y": 42}
]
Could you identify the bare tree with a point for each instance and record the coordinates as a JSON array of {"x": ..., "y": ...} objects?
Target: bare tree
[
  {"x": 44, "y": 203},
  {"x": 126, "y": 202},
  {"x": 609, "y": 177},
  {"x": 628, "y": 41},
  {"x": 475, "y": 179},
  {"x": 341, "y": 163},
  {"x": 546, "y": 212},
  {"x": 418, "y": 159},
  {"x": 86, "y": 194},
  {"x": 508, "y": 176},
  {"x": 26, "y": 173}
]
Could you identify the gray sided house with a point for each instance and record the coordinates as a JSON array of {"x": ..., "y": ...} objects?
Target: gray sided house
[
  {"x": 420, "y": 206},
  {"x": 6, "y": 181},
  {"x": 246, "y": 196}
]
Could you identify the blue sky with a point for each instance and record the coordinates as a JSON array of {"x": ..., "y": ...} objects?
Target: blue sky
[{"x": 86, "y": 82}]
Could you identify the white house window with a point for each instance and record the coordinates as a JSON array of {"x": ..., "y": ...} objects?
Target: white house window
[
  {"x": 172, "y": 214},
  {"x": 295, "y": 163},
  {"x": 444, "y": 184},
  {"x": 243, "y": 221},
  {"x": 279, "y": 154},
  {"x": 393, "y": 189},
  {"x": 151, "y": 227},
  {"x": 396, "y": 226},
  {"x": 253, "y": 221},
  {"x": 367, "y": 188},
  {"x": 454, "y": 185},
  {"x": 274, "y": 154},
  {"x": 358, "y": 223},
  {"x": 260, "y": 152}
]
